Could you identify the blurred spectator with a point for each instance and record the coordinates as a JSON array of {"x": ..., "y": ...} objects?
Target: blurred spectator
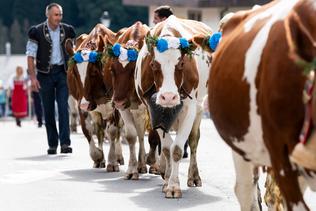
[
  {"x": 18, "y": 92},
  {"x": 2, "y": 99},
  {"x": 162, "y": 13}
]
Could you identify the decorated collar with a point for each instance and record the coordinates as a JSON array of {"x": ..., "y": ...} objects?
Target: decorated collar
[
  {"x": 129, "y": 54},
  {"x": 87, "y": 56},
  {"x": 165, "y": 43}
]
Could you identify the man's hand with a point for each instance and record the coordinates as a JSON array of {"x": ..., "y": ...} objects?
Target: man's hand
[{"x": 35, "y": 84}]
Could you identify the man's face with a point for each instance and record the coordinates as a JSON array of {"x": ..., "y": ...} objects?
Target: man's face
[
  {"x": 157, "y": 19},
  {"x": 55, "y": 14}
]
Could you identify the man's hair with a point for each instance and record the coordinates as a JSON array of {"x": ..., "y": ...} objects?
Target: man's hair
[
  {"x": 164, "y": 11},
  {"x": 48, "y": 7}
]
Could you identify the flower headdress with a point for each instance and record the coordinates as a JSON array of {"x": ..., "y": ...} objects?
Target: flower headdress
[
  {"x": 123, "y": 54},
  {"x": 165, "y": 43},
  {"x": 213, "y": 40},
  {"x": 85, "y": 56}
]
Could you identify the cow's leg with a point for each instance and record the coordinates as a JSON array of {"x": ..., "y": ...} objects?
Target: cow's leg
[
  {"x": 73, "y": 122},
  {"x": 151, "y": 158},
  {"x": 73, "y": 113},
  {"x": 193, "y": 175},
  {"x": 139, "y": 120},
  {"x": 131, "y": 136},
  {"x": 165, "y": 167},
  {"x": 87, "y": 128},
  {"x": 112, "y": 132},
  {"x": 246, "y": 184},
  {"x": 99, "y": 131},
  {"x": 118, "y": 149},
  {"x": 176, "y": 149}
]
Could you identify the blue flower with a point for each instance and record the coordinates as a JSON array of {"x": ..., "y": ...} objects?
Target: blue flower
[
  {"x": 78, "y": 58},
  {"x": 162, "y": 45},
  {"x": 184, "y": 43},
  {"x": 132, "y": 55},
  {"x": 214, "y": 40},
  {"x": 116, "y": 49},
  {"x": 93, "y": 56}
]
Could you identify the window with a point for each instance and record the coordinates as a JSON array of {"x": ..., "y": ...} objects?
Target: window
[{"x": 195, "y": 15}]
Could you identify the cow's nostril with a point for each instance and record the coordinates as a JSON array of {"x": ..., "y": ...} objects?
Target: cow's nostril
[
  {"x": 163, "y": 97},
  {"x": 174, "y": 97}
]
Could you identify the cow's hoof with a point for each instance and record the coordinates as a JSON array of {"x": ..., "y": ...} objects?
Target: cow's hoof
[
  {"x": 112, "y": 168},
  {"x": 102, "y": 164},
  {"x": 194, "y": 182},
  {"x": 120, "y": 161},
  {"x": 116, "y": 168},
  {"x": 162, "y": 174},
  {"x": 173, "y": 194},
  {"x": 99, "y": 164},
  {"x": 135, "y": 176},
  {"x": 164, "y": 188},
  {"x": 154, "y": 170},
  {"x": 131, "y": 176},
  {"x": 142, "y": 169}
]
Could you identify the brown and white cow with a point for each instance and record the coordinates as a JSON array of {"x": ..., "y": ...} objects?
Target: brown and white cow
[
  {"x": 176, "y": 78},
  {"x": 87, "y": 86},
  {"x": 132, "y": 111},
  {"x": 255, "y": 94}
]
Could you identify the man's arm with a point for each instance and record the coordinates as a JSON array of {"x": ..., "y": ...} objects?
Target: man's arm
[
  {"x": 31, "y": 70},
  {"x": 31, "y": 50}
]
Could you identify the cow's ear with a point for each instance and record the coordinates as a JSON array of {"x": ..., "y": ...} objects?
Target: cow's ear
[
  {"x": 69, "y": 47},
  {"x": 80, "y": 39},
  {"x": 101, "y": 43},
  {"x": 201, "y": 41},
  {"x": 301, "y": 43},
  {"x": 198, "y": 40}
]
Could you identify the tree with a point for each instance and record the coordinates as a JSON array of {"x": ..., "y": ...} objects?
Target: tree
[
  {"x": 3, "y": 37},
  {"x": 18, "y": 40},
  {"x": 18, "y": 15}
]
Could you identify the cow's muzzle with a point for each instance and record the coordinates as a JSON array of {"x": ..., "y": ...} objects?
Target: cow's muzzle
[{"x": 162, "y": 117}]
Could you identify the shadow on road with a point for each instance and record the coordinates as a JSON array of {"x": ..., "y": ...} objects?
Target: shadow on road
[
  {"x": 147, "y": 189},
  {"x": 43, "y": 158}
]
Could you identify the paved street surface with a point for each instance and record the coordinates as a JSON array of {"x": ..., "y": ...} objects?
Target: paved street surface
[{"x": 30, "y": 180}]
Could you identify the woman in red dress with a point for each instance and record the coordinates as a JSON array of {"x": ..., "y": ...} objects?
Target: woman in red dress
[{"x": 18, "y": 87}]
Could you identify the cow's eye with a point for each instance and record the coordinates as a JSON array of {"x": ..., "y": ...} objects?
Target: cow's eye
[
  {"x": 154, "y": 65},
  {"x": 180, "y": 65}
]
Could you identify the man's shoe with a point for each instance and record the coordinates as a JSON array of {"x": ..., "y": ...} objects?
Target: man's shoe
[
  {"x": 52, "y": 151},
  {"x": 65, "y": 149}
]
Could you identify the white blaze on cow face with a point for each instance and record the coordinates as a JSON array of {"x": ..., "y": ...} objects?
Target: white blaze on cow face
[
  {"x": 252, "y": 60},
  {"x": 168, "y": 95},
  {"x": 82, "y": 69}
]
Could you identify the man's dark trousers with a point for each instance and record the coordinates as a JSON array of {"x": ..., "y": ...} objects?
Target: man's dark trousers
[
  {"x": 38, "y": 107},
  {"x": 54, "y": 86}
]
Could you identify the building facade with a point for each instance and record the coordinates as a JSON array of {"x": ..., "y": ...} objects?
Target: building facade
[{"x": 208, "y": 11}]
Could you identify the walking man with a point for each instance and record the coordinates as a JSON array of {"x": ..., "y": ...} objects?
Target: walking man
[{"x": 46, "y": 47}]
